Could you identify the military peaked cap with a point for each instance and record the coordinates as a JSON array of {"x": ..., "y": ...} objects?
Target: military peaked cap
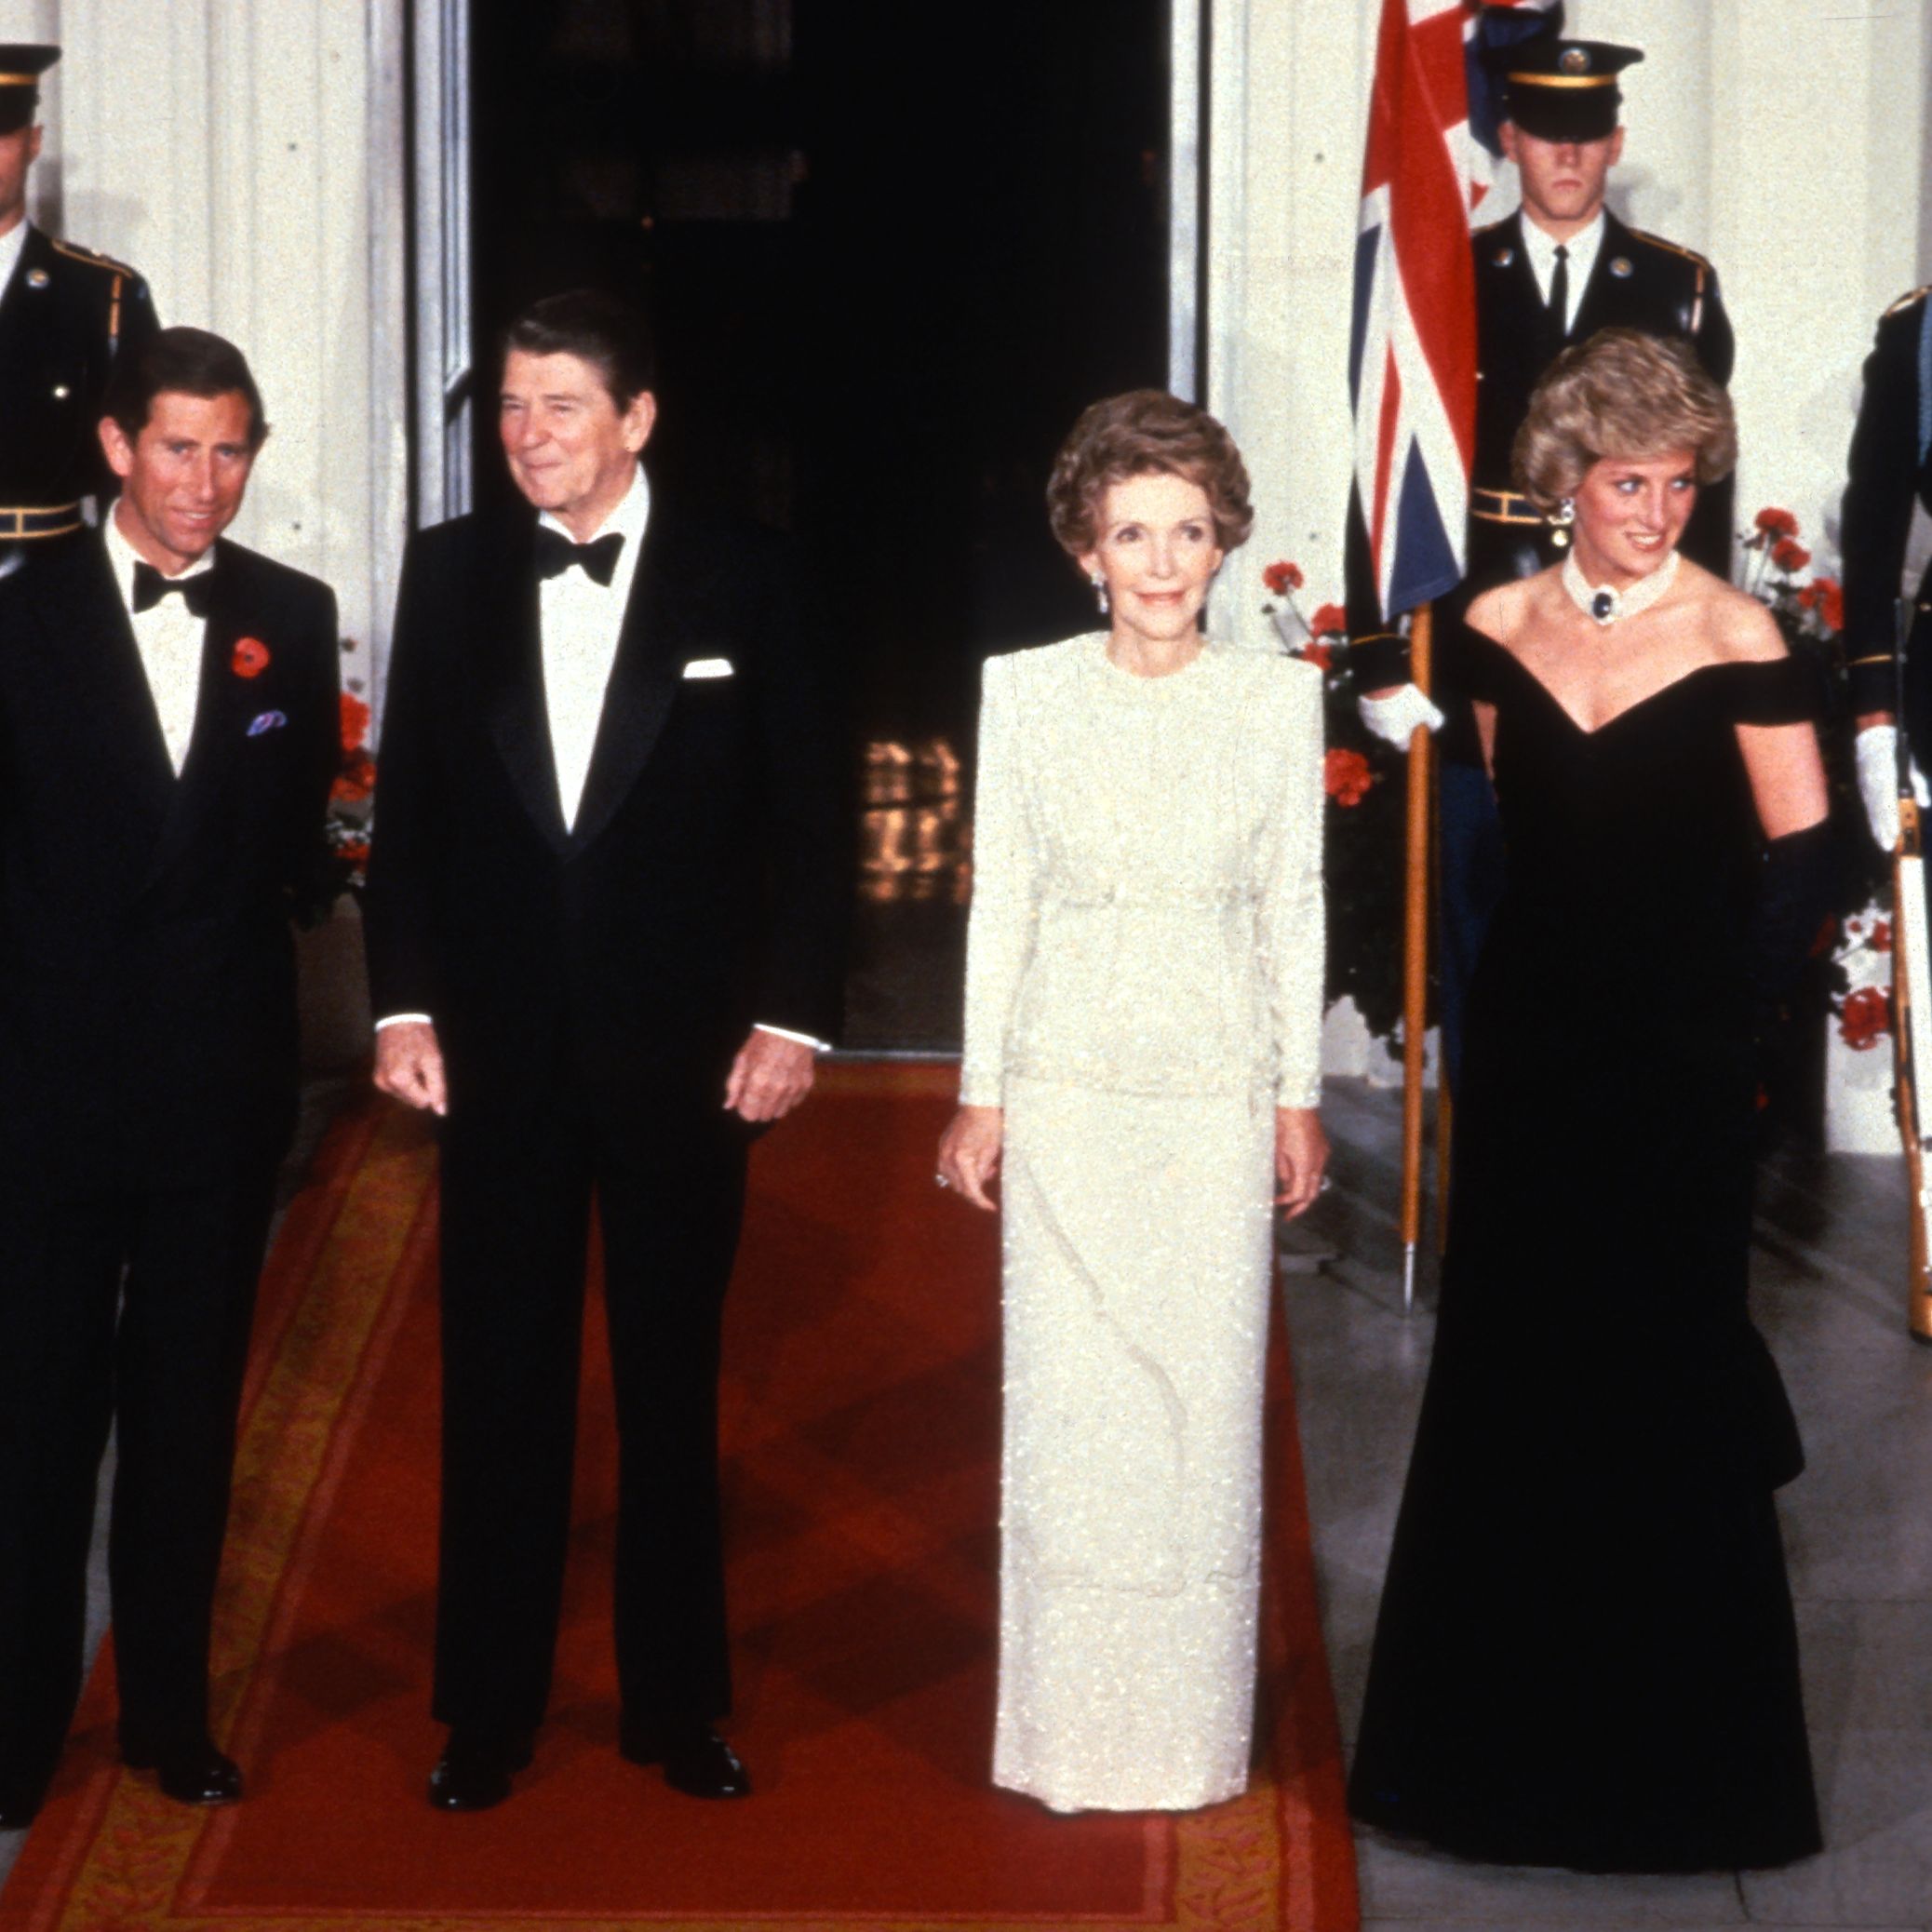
[
  {"x": 21, "y": 64},
  {"x": 1561, "y": 89}
]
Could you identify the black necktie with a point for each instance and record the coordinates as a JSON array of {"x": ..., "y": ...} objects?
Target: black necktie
[
  {"x": 556, "y": 553},
  {"x": 1559, "y": 291},
  {"x": 151, "y": 586}
]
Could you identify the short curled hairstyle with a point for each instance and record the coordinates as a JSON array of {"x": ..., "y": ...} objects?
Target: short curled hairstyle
[
  {"x": 1145, "y": 433},
  {"x": 1622, "y": 394}
]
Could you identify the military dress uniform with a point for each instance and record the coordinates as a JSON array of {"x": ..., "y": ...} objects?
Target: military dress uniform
[
  {"x": 65, "y": 313},
  {"x": 1890, "y": 469}
]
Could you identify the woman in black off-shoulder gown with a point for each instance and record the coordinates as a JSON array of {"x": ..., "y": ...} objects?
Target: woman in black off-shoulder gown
[{"x": 1586, "y": 1652}]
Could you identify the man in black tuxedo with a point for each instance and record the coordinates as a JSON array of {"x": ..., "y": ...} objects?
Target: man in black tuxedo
[
  {"x": 169, "y": 733},
  {"x": 604, "y": 918}
]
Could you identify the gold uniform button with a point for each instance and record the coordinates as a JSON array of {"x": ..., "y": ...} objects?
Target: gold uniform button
[
  {"x": 62, "y": 391},
  {"x": 36, "y": 278},
  {"x": 1622, "y": 268}
]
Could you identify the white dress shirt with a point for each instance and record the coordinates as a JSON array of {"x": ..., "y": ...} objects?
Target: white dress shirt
[
  {"x": 169, "y": 637},
  {"x": 11, "y": 243},
  {"x": 1584, "y": 247},
  {"x": 581, "y": 621}
]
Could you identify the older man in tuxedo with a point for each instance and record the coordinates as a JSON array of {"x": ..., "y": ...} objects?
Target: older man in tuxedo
[
  {"x": 168, "y": 736},
  {"x": 604, "y": 915}
]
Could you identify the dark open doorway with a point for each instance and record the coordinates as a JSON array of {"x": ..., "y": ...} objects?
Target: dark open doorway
[{"x": 891, "y": 251}]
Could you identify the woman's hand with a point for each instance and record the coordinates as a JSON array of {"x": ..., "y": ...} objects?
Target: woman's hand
[
  {"x": 968, "y": 1153},
  {"x": 1301, "y": 1153}
]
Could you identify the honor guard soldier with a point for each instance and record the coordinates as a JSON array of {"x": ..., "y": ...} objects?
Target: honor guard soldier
[
  {"x": 1889, "y": 471},
  {"x": 65, "y": 313},
  {"x": 1554, "y": 272}
]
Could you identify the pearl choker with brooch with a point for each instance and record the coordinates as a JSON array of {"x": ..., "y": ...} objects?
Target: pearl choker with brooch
[{"x": 1604, "y": 607}]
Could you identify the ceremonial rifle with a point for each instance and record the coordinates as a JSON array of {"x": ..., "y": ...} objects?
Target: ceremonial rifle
[{"x": 1911, "y": 1003}]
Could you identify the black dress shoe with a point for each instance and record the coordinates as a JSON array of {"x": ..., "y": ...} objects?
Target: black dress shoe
[
  {"x": 190, "y": 1774},
  {"x": 475, "y": 1770},
  {"x": 696, "y": 1760}
]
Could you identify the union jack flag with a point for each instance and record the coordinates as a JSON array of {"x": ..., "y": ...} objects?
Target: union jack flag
[{"x": 1411, "y": 353}]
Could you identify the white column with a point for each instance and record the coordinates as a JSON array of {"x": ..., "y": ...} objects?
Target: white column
[
  {"x": 247, "y": 159},
  {"x": 1817, "y": 163},
  {"x": 1286, "y": 115}
]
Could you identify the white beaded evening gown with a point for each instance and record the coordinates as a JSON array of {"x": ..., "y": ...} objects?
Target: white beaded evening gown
[{"x": 1144, "y": 988}]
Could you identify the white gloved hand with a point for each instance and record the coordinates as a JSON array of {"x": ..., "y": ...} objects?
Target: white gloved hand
[
  {"x": 1395, "y": 718},
  {"x": 1878, "y": 783}
]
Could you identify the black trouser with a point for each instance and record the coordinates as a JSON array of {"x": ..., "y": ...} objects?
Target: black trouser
[
  {"x": 517, "y": 1189},
  {"x": 168, "y": 1374}
]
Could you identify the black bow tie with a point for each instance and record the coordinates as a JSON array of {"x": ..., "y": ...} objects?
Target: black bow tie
[
  {"x": 151, "y": 586},
  {"x": 556, "y": 553}
]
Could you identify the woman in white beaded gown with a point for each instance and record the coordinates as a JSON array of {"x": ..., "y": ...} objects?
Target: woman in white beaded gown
[{"x": 1143, "y": 1016}]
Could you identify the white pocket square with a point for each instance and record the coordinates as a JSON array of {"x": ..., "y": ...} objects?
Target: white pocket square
[{"x": 709, "y": 667}]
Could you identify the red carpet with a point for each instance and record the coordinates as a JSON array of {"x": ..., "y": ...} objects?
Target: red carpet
[{"x": 860, "y": 1422}]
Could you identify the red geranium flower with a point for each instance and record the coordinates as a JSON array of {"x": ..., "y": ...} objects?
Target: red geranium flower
[
  {"x": 356, "y": 781},
  {"x": 251, "y": 658},
  {"x": 1319, "y": 654},
  {"x": 1789, "y": 555},
  {"x": 1329, "y": 621},
  {"x": 1345, "y": 776},
  {"x": 354, "y": 721},
  {"x": 1867, "y": 1018},
  {"x": 1777, "y": 523},
  {"x": 1825, "y": 596},
  {"x": 1881, "y": 940},
  {"x": 1282, "y": 577}
]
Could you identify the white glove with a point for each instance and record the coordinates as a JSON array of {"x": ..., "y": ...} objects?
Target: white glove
[
  {"x": 1878, "y": 783},
  {"x": 1395, "y": 718}
]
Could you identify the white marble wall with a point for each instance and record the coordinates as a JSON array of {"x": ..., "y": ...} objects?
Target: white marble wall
[{"x": 247, "y": 159}]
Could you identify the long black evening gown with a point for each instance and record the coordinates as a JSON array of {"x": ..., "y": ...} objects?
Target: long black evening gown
[{"x": 1586, "y": 1652}]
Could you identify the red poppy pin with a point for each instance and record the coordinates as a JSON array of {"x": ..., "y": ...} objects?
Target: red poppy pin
[{"x": 251, "y": 658}]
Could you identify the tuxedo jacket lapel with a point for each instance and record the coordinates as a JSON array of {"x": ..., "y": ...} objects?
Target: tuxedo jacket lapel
[
  {"x": 644, "y": 679},
  {"x": 114, "y": 694},
  {"x": 515, "y": 709}
]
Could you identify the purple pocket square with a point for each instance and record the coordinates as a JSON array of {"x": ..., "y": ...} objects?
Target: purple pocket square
[{"x": 267, "y": 722}]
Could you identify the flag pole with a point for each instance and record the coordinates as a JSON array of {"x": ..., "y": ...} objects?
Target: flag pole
[{"x": 1415, "y": 957}]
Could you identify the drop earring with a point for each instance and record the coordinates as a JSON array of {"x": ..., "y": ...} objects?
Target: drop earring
[
  {"x": 1099, "y": 583},
  {"x": 1561, "y": 518}
]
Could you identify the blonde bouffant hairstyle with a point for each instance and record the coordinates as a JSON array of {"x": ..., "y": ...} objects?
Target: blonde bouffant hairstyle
[
  {"x": 1145, "y": 433},
  {"x": 1626, "y": 394}
]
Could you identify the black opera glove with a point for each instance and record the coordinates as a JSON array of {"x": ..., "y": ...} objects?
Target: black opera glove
[{"x": 1795, "y": 895}]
